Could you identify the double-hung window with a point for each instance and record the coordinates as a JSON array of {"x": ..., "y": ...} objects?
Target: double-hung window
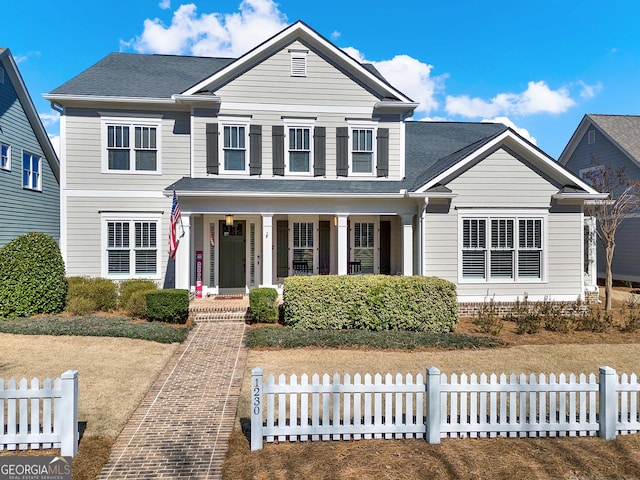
[
  {"x": 234, "y": 148},
  {"x": 362, "y": 150},
  {"x": 131, "y": 146},
  {"x": 299, "y": 149},
  {"x": 131, "y": 248},
  {"x": 31, "y": 171},
  {"x": 5, "y": 156},
  {"x": 502, "y": 249}
]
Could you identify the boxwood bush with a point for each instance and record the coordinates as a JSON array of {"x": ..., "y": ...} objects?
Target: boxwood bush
[
  {"x": 32, "y": 276},
  {"x": 102, "y": 293},
  {"x": 169, "y": 305},
  {"x": 263, "y": 304},
  {"x": 370, "y": 302},
  {"x": 133, "y": 296}
]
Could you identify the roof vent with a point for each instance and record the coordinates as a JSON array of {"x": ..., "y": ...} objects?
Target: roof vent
[
  {"x": 1, "y": 75},
  {"x": 591, "y": 139},
  {"x": 298, "y": 63}
]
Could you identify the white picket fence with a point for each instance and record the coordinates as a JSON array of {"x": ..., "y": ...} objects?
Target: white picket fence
[
  {"x": 346, "y": 408},
  {"x": 40, "y": 417}
]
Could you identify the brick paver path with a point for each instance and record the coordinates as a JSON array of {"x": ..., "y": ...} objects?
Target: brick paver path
[{"x": 181, "y": 429}]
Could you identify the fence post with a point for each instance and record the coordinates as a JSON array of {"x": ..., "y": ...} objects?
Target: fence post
[
  {"x": 256, "y": 408},
  {"x": 69, "y": 436},
  {"x": 608, "y": 403},
  {"x": 433, "y": 405}
]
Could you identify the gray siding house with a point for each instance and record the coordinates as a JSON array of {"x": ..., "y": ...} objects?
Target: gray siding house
[
  {"x": 296, "y": 159},
  {"x": 613, "y": 141},
  {"x": 29, "y": 168}
]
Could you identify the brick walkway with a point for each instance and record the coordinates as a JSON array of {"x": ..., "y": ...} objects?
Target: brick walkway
[{"x": 181, "y": 428}]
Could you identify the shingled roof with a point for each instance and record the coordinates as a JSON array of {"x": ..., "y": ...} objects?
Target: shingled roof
[{"x": 622, "y": 129}]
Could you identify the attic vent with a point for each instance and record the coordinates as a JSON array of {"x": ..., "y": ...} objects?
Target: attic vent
[
  {"x": 1, "y": 75},
  {"x": 298, "y": 63},
  {"x": 592, "y": 137}
]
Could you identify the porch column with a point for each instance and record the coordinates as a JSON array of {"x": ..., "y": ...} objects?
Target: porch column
[
  {"x": 343, "y": 244},
  {"x": 267, "y": 250},
  {"x": 407, "y": 245},
  {"x": 183, "y": 257}
]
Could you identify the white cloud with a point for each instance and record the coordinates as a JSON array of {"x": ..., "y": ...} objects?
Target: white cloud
[
  {"x": 409, "y": 75},
  {"x": 49, "y": 119},
  {"x": 165, "y": 4},
  {"x": 537, "y": 98},
  {"x": 589, "y": 91},
  {"x": 335, "y": 35},
  {"x": 211, "y": 34},
  {"x": 509, "y": 123},
  {"x": 55, "y": 143}
]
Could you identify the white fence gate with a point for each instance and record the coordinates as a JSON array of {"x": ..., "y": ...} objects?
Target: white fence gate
[
  {"x": 467, "y": 406},
  {"x": 40, "y": 417}
]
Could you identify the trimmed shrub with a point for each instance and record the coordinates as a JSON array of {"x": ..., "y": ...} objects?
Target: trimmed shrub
[
  {"x": 101, "y": 291},
  {"x": 263, "y": 304},
  {"x": 132, "y": 296},
  {"x": 170, "y": 305},
  {"x": 487, "y": 318},
  {"x": 81, "y": 306},
  {"x": 370, "y": 302},
  {"x": 32, "y": 276}
]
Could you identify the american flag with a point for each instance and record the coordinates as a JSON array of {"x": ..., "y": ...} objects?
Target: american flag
[{"x": 175, "y": 218}]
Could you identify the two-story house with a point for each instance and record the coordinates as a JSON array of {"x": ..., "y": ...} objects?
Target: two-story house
[
  {"x": 296, "y": 159},
  {"x": 29, "y": 169},
  {"x": 613, "y": 142}
]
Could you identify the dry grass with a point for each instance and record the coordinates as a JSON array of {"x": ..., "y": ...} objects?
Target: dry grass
[
  {"x": 566, "y": 458},
  {"x": 114, "y": 374}
]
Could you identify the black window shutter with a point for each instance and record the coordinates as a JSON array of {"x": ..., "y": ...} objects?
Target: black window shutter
[
  {"x": 282, "y": 254},
  {"x": 212, "y": 148},
  {"x": 319, "y": 151},
  {"x": 277, "y": 133},
  {"x": 342, "y": 151},
  {"x": 255, "y": 149},
  {"x": 383, "y": 152}
]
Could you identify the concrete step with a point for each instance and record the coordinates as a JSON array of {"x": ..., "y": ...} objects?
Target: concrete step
[{"x": 228, "y": 316}]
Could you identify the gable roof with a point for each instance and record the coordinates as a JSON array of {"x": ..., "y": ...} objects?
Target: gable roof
[
  {"x": 11, "y": 70},
  {"x": 622, "y": 130}
]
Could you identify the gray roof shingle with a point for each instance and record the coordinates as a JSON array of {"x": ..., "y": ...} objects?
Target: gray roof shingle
[{"x": 623, "y": 129}]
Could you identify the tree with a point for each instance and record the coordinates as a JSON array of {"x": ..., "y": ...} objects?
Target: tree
[{"x": 624, "y": 200}]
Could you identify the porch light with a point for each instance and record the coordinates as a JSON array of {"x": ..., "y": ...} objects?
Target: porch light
[
  {"x": 335, "y": 220},
  {"x": 228, "y": 220}
]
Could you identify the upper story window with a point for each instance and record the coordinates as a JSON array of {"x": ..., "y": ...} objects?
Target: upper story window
[
  {"x": 502, "y": 248},
  {"x": 299, "y": 150},
  {"x": 362, "y": 148},
  {"x": 31, "y": 171},
  {"x": 594, "y": 176},
  {"x": 5, "y": 156},
  {"x": 234, "y": 148},
  {"x": 131, "y": 146}
]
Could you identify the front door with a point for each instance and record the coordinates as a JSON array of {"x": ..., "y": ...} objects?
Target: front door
[
  {"x": 233, "y": 255},
  {"x": 385, "y": 247}
]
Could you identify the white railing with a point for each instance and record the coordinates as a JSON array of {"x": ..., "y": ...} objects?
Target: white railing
[
  {"x": 40, "y": 417},
  {"x": 335, "y": 408}
]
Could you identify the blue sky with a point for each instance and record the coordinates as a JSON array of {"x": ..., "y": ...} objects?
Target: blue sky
[{"x": 537, "y": 66}]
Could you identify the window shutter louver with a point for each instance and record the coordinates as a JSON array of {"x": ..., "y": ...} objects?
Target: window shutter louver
[
  {"x": 342, "y": 151},
  {"x": 319, "y": 151},
  {"x": 383, "y": 152},
  {"x": 277, "y": 134},
  {"x": 212, "y": 148},
  {"x": 255, "y": 149}
]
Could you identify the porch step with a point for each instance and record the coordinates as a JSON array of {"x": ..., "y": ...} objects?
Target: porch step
[{"x": 213, "y": 317}]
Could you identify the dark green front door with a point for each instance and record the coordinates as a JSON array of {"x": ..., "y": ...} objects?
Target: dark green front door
[
  {"x": 324, "y": 248},
  {"x": 385, "y": 247},
  {"x": 233, "y": 255}
]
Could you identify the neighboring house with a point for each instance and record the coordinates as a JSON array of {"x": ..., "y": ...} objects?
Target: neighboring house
[
  {"x": 297, "y": 159},
  {"x": 611, "y": 141},
  {"x": 29, "y": 168}
]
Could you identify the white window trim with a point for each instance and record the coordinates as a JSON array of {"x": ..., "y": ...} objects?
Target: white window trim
[
  {"x": 299, "y": 123},
  {"x": 131, "y": 122},
  {"x": 314, "y": 219},
  {"x": 591, "y": 137},
  {"x": 38, "y": 187},
  {"x": 131, "y": 219},
  {"x": 7, "y": 167},
  {"x": 516, "y": 216},
  {"x": 376, "y": 238},
  {"x": 368, "y": 125},
  {"x": 583, "y": 172},
  {"x": 234, "y": 122}
]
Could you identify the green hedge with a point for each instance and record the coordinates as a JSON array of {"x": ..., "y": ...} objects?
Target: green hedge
[
  {"x": 101, "y": 293},
  {"x": 263, "y": 304},
  {"x": 32, "y": 276},
  {"x": 133, "y": 296},
  {"x": 170, "y": 305},
  {"x": 370, "y": 302}
]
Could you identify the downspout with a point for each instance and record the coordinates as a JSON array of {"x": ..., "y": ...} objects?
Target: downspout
[{"x": 422, "y": 212}]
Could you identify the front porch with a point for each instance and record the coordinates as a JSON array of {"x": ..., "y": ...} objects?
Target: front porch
[{"x": 232, "y": 253}]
